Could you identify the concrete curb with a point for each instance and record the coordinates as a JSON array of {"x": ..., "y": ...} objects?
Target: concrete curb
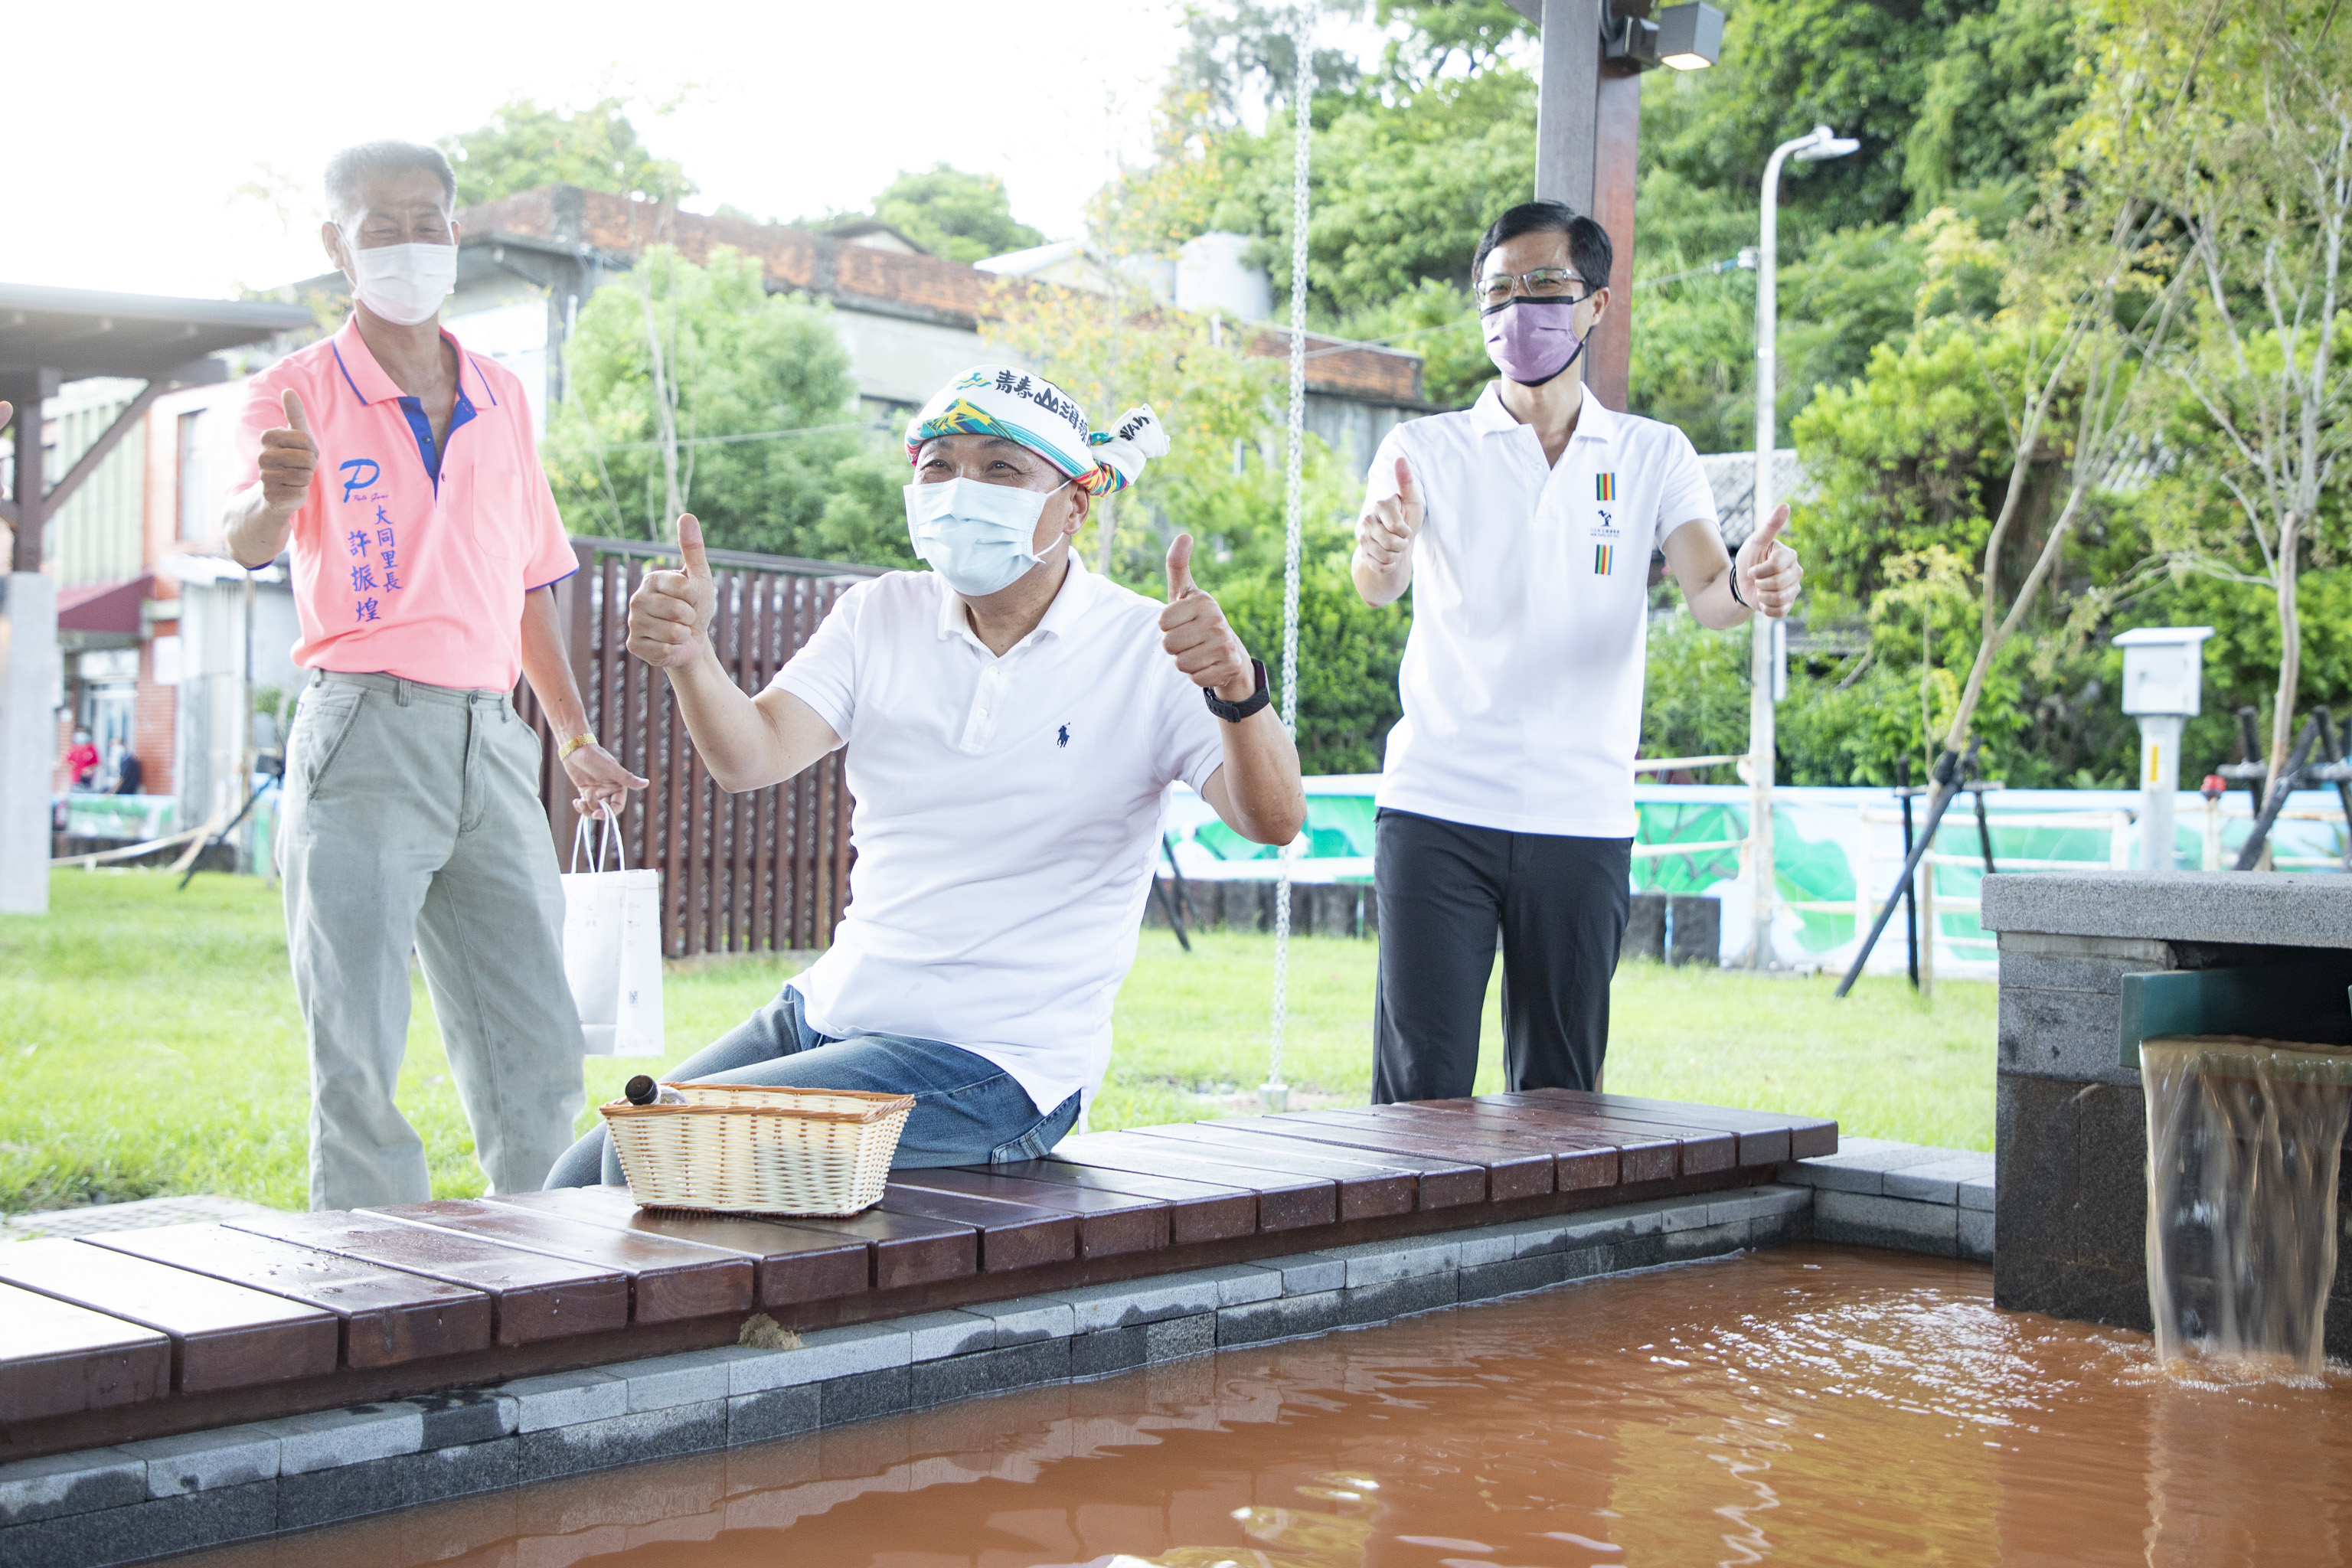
[{"x": 1907, "y": 1197}]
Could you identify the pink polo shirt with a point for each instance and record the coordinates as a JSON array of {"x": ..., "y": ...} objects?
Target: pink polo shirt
[{"x": 400, "y": 569}]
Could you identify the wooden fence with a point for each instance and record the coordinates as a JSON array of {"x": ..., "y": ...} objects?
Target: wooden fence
[{"x": 766, "y": 871}]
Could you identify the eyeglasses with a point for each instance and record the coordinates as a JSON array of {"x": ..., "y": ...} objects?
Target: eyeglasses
[{"x": 1543, "y": 283}]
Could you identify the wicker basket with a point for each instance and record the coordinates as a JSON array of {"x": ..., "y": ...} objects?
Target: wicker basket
[{"x": 746, "y": 1149}]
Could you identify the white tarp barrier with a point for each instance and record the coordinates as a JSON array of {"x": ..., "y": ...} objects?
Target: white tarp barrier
[{"x": 1836, "y": 853}]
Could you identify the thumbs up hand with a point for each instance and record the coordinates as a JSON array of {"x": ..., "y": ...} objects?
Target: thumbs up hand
[
  {"x": 1384, "y": 534},
  {"x": 1195, "y": 633},
  {"x": 670, "y": 612},
  {"x": 1768, "y": 572},
  {"x": 290, "y": 458}
]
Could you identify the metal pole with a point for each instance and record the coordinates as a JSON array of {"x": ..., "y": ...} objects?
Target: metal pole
[
  {"x": 1946, "y": 774},
  {"x": 1910, "y": 905},
  {"x": 2159, "y": 781},
  {"x": 1274, "y": 1094},
  {"x": 2289, "y": 779},
  {"x": 1929, "y": 928},
  {"x": 1761, "y": 744},
  {"x": 1984, "y": 832}
]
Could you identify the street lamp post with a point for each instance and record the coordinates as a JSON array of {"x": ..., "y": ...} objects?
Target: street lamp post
[{"x": 1763, "y": 661}]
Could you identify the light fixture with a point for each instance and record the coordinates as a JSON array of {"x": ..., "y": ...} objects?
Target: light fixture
[
  {"x": 1633, "y": 40},
  {"x": 1822, "y": 145},
  {"x": 1690, "y": 37}
]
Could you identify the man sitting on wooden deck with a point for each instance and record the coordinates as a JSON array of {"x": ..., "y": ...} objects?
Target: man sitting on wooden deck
[{"x": 1014, "y": 722}]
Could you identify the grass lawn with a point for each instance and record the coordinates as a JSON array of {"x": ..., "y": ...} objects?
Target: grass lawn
[{"x": 152, "y": 1044}]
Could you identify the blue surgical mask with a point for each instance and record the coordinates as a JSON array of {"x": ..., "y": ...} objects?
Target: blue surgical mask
[{"x": 977, "y": 536}]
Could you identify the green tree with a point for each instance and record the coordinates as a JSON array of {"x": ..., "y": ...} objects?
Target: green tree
[
  {"x": 950, "y": 213},
  {"x": 1862, "y": 67},
  {"x": 523, "y": 146},
  {"x": 2251, "y": 160},
  {"x": 770, "y": 449},
  {"x": 1996, "y": 101}
]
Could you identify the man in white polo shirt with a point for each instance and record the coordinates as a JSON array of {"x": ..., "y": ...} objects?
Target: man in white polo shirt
[
  {"x": 1524, "y": 526},
  {"x": 1014, "y": 723}
]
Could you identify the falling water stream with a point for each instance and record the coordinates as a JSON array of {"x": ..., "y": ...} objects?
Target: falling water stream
[{"x": 2243, "y": 1142}]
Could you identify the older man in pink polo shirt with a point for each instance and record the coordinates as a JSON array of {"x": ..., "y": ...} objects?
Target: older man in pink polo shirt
[{"x": 402, "y": 472}]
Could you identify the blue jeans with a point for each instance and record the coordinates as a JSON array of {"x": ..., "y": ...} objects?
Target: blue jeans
[{"x": 968, "y": 1111}]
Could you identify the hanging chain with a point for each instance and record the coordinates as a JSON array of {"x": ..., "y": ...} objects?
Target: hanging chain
[{"x": 1274, "y": 1094}]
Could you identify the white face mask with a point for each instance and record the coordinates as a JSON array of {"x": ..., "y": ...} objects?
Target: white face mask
[
  {"x": 405, "y": 284},
  {"x": 978, "y": 536}
]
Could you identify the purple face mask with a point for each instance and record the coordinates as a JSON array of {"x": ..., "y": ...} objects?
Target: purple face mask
[{"x": 1532, "y": 340}]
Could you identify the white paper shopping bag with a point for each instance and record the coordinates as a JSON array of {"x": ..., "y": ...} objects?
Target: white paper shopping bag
[{"x": 612, "y": 950}]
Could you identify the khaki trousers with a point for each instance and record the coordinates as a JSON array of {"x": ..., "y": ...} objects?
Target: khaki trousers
[{"x": 412, "y": 818}]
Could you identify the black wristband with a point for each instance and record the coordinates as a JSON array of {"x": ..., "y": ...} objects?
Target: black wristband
[
  {"x": 1735, "y": 585},
  {"x": 1234, "y": 712}
]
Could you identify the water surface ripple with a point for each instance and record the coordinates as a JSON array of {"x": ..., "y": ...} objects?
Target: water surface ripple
[{"x": 1812, "y": 1406}]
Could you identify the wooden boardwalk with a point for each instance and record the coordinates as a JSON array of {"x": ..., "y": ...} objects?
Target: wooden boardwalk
[{"x": 143, "y": 1333}]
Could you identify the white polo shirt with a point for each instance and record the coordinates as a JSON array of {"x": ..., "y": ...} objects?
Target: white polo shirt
[
  {"x": 1007, "y": 817},
  {"x": 1522, "y": 678}
]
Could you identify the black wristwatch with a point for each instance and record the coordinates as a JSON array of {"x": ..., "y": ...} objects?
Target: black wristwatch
[{"x": 1234, "y": 712}]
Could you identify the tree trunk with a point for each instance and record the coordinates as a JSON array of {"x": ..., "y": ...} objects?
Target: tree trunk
[{"x": 2290, "y": 645}]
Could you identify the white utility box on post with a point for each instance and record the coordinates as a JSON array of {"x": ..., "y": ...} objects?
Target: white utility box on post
[{"x": 2164, "y": 675}]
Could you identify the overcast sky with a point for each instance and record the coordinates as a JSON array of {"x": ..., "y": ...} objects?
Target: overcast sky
[{"x": 141, "y": 140}]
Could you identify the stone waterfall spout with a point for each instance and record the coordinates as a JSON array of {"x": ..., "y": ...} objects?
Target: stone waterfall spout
[{"x": 2245, "y": 1137}]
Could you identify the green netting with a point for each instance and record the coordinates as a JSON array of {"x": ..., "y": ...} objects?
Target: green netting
[{"x": 1338, "y": 827}]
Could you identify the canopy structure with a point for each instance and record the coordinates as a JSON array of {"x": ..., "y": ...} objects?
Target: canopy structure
[{"x": 49, "y": 337}]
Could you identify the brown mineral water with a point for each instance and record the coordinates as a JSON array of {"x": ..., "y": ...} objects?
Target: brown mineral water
[
  {"x": 2243, "y": 1142},
  {"x": 1807, "y": 1406}
]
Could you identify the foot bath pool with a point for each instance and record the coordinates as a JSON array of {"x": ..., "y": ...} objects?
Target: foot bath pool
[{"x": 1811, "y": 1404}]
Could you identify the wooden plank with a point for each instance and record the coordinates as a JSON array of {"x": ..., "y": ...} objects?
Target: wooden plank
[
  {"x": 1197, "y": 1211},
  {"x": 388, "y": 1317},
  {"x": 1703, "y": 1149},
  {"x": 1429, "y": 1181},
  {"x": 1581, "y": 1162},
  {"x": 1438, "y": 1182},
  {"x": 1365, "y": 1190},
  {"x": 1110, "y": 1224},
  {"x": 793, "y": 1266},
  {"x": 1285, "y": 1201},
  {"x": 1012, "y": 1235},
  {"x": 59, "y": 1359},
  {"x": 223, "y": 1335},
  {"x": 1646, "y": 1153},
  {"x": 532, "y": 1297},
  {"x": 907, "y": 1249},
  {"x": 670, "y": 1281},
  {"x": 1514, "y": 1170},
  {"x": 1805, "y": 1137}
]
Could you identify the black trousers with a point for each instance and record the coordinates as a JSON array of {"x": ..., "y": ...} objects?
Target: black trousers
[{"x": 1444, "y": 889}]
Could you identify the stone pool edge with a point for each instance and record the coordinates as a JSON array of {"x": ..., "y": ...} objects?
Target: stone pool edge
[{"x": 139, "y": 1500}]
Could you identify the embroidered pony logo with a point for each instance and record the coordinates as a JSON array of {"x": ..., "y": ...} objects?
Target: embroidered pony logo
[{"x": 1062, "y": 736}]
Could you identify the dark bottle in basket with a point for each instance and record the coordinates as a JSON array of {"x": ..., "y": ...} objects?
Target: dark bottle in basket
[{"x": 643, "y": 1091}]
